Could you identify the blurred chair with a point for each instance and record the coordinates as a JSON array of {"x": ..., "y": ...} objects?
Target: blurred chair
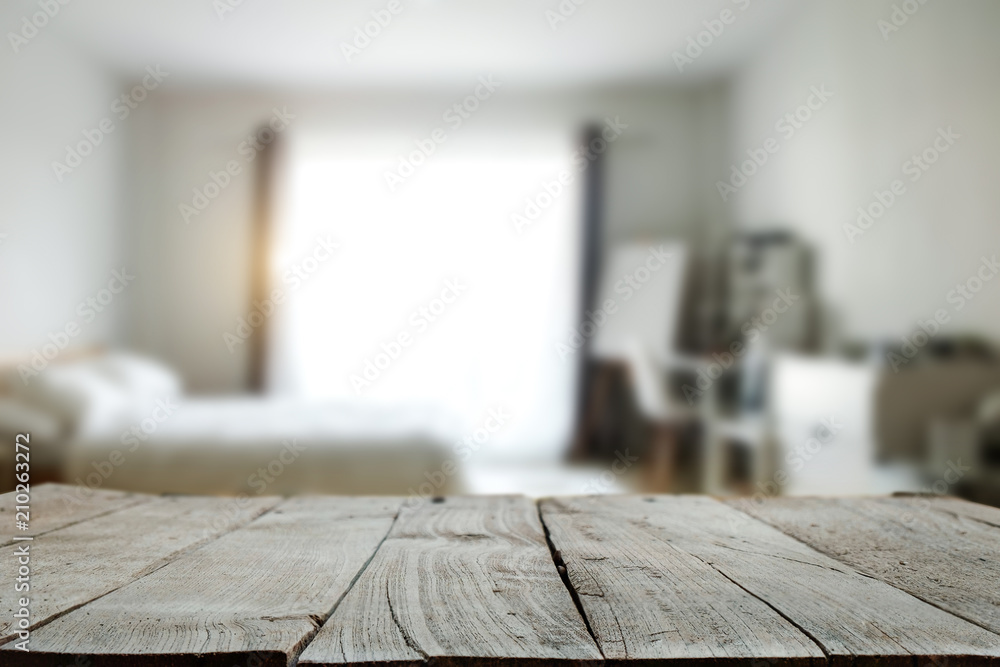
[{"x": 641, "y": 336}]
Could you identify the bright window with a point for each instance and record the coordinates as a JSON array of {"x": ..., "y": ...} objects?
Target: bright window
[{"x": 493, "y": 345}]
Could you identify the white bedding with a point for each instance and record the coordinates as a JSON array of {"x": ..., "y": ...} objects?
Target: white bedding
[{"x": 266, "y": 446}]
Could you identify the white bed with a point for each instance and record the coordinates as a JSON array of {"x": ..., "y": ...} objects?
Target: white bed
[
  {"x": 260, "y": 446},
  {"x": 125, "y": 424}
]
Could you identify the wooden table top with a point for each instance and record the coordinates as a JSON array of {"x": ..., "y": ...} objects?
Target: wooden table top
[{"x": 130, "y": 579}]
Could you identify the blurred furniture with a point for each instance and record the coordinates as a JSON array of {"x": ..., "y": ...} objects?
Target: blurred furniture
[
  {"x": 648, "y": 309},
  {"x": 822, "y": 421},
  {"x": 964, "y": 454},
  {"x": 123, "y": 421},
  {"x": 259, "y": 445},
  {"x": 770, "y": 311},
  {"x": 759, "y": 264},
  {"x": 643, "y": 284},
  {"x": 667, "y": 416},
  {"x": 915, "y": 396},
  {"x": 896, "y": 431},
  {"x": 133, "y": 579},
  {"x": 48, "y": 433},
  {"x": 819, "y": 433}
]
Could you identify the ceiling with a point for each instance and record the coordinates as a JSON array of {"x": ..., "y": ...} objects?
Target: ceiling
[{"x": 429, "y": 42}]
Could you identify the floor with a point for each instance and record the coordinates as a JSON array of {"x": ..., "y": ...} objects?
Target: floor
[{"x": 547, "y": 479}]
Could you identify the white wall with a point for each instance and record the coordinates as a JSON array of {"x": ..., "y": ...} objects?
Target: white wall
[
  {"x": 62, "y": 238},
  {"x": 890, "y": 97},
  {"x": 197, "y": 273}
]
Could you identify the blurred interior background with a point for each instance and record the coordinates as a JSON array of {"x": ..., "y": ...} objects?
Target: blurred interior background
[{"x": 433, "y": 246}]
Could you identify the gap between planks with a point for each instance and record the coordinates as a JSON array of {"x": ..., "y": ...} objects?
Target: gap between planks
[
  {"x": 149, "y": 570},
  {"x": 555, "y": 554},
  {"x": 294, "y": 656},
  {"x": 93, "y": 504},
  {"x": 184, "y": 647},
  {"x": 564, "y": 575},
  {"x": 557, "y": 562},
  {"x": 426, "y": 596},
  {"x": 982, "y": 643},
  {"x": 882, "y": 548}
]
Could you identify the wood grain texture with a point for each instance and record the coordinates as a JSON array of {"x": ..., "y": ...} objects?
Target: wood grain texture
[
  {"x": 852, "y": 617},
  {"x": 647, "y": 600},
  {"x": 76, "y": 564},
  {"x": 466, "y": 581},
  {"x": 984, "y": 513},
  {"x": 124, "y": 580},
  {"x": 254, "y": 596},
  {"x": 55, "y": 506},
  {"x": 943, "y": 551}
]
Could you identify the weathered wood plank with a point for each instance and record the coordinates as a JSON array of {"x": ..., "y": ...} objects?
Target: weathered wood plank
[
  {"x": 254, "y": 596},
  {"x": 471, "y": 581},
  {"x": 854, "y": 618},
  {"x": 984, "y": 513},
  {"x": 940, "y": 551},
  {"x": 76, "y": 564},
  {"x": 465, "y": 581},
  {"x": 648, "y": 600},
  {"x": 55, "y": 506}
]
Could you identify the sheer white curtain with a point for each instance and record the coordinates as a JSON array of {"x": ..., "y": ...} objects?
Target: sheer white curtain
[{"x": 438, "y": 263}]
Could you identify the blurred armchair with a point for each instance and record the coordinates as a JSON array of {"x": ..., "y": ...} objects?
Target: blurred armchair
[{"x": 641, "y": 289}]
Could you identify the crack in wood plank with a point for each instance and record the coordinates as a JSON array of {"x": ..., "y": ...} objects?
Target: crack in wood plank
[
  {"x": 491, "y": 559},
  {"x": 778, "y": 611},
  {"x": 403, "y": 632},
  {"x": 275, "y": 580},
  {"x": 39, "y": 502},
  {"x": 463, "y": 581},
  {"x": 160, "y": 561},
  {"x": 831, "y": 608},
  {"x": 297, "y": 652},
  {"x": 563, "y": 571},
  {"x": 864, "y": 534}
]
